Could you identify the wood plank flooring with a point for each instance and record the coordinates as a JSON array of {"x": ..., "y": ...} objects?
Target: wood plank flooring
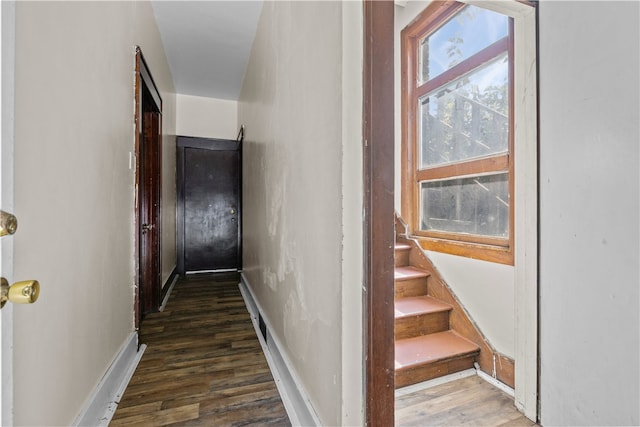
[
  {"x": 469, "y": 401},
  {"x": 203, "y": 365}
]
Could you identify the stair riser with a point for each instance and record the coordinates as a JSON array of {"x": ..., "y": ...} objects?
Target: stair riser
[
  {"x": 411, "y": 288},
  {"x": 423, "y": 324},
  {"x": 417, "y": 374},
  {"x": 402, "y": 257}
]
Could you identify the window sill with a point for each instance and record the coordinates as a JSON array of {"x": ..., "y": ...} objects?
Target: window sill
[{"x": 497, "y": 254}]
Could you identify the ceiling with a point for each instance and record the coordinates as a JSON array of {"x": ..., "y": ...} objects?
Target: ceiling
[{"x": 207, "y": 43}]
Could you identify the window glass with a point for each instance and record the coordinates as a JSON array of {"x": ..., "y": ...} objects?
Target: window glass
[
  {"x": 466, "y": 33},
  {"x": 475, "y": 205},
  {"x": 468, "y": 118}
]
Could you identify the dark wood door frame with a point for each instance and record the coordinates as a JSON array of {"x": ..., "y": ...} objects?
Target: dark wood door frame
[
  {"x": 379, "y": 237},
  {"x": 148, "y": 181}
]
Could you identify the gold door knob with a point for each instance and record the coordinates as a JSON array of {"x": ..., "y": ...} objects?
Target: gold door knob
[
  {"x": 8, "y": 223},
  {"x": 25, "y": 292}
]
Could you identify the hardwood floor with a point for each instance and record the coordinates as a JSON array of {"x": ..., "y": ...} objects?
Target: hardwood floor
[
  {"x": 468, "y": 401},
  {"x": 203, "y": 365}
]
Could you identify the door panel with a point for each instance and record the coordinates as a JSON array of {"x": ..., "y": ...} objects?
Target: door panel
[
  {"x": 149, "y": 221},
  {"x": 209, "y": 206}
]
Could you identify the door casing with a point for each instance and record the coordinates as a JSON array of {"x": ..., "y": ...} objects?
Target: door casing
[
  {"x": 378, "y": 186},
  {"x": 379, "y": 237},
  {"x": 147, "y": 217}
]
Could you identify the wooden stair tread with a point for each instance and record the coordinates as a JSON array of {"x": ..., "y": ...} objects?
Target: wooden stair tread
[
  {"x": 431, "y": 348},
  {"x": 412, "y": 306},
  {"x": 408, "y": 273}
]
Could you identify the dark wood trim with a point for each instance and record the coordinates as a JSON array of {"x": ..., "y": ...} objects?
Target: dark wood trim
[
  {"x": 144, "y": 83},
  {"x": 136, "y": 222},
  {"x": 240, "y": 205},
  {"x": 378, "y": 117},
  {"x": 179, "y": 207}
]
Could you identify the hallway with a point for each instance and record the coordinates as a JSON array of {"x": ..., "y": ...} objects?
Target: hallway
[{"x": 203, "y": 364}]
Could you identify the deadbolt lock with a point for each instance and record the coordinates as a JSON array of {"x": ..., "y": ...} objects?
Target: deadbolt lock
[
  {"x": 8, "y": 223},
  {"x": 25, "y": 292}
]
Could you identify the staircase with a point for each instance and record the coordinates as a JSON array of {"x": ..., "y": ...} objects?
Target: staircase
[{"x": 425, "y": 346}]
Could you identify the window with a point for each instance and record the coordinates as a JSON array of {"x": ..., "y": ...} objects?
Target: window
[{"x": 457, "y": 88}]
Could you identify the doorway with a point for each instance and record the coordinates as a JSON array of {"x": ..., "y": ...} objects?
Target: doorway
[
  {"x": 379, "y": 201},
  {"x": 209, "y": 205},
  {"x": 149, "y": 189}
]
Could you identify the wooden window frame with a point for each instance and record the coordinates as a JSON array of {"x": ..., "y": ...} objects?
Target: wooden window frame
[{"x": 492, "y": 249}]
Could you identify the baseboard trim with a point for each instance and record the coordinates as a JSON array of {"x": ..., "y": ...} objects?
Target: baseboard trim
[
  {"x": 495, "y": 382},
  {"x": 403, "y": 391},
  {"x": 294, "y": 397},
  {"x": 103, "y": 401},
  {"x": 168, "y": 287}
]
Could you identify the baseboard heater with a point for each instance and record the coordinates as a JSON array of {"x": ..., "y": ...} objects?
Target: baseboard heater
[{"x": 294, "y": 396}]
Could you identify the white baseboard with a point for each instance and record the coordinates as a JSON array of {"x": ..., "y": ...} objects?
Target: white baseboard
[
  {"x": 103, "y": 401},
  {"x": 495, "y": 382},
  {"x": 294, "y": 397},
  {"x": 403, "y": 391}
]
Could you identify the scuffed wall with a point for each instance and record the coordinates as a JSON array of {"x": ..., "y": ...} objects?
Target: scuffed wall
[
  {"x": 292, "y": 106},
  {"x": 589, "y": 209},
  {"x": 74, "y": 194}
]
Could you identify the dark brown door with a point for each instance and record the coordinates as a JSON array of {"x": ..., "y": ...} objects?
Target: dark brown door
[
  {"x": 149, "y": 190},
  {"x": 150, "y": 280},
  {"x": 209, "y": 205}
]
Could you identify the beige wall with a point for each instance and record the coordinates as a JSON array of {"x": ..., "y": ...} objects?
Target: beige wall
[
  {"x": 206, "y": 117},
  {"x": 74, "y": 194},
  {"x": 295, "y": 195}
]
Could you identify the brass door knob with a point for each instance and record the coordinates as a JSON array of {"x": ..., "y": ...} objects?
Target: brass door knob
[
  {"x": 25, "y": 292},
  {"x": 8, "y": 223}
]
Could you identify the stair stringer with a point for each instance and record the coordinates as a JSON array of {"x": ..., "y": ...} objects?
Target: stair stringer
[{"x": 491, "y": 361}]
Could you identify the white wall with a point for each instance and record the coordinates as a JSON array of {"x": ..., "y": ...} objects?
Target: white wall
[
  {"x": 206, "y": 117},
  {"x": 74, "y": 194},
  {"x": 589, "y": 210},
  {"x": 485, "y": 289},
  {"x": 296, "y": 183}
]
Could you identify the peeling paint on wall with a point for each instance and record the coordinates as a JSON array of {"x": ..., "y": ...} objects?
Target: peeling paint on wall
[{"x": 291, "y": 104}]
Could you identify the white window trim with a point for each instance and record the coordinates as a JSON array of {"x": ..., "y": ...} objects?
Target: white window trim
[{"x": 526, "y": 204}]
